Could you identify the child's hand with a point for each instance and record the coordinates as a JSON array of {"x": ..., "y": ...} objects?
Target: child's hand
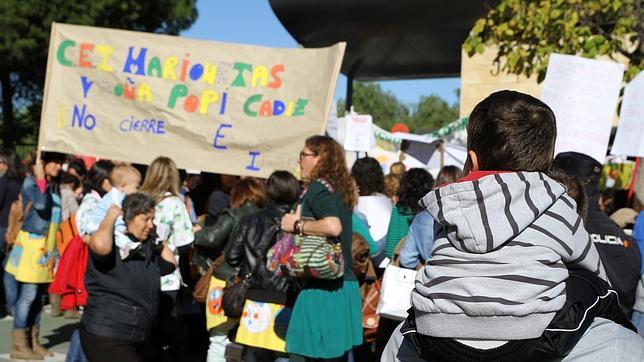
[
  {"x": 86, "y": 239},
  {"x": 196, "y": 228}
]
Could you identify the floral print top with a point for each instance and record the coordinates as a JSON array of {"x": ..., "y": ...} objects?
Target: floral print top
[{"x": 174, "y": 228}]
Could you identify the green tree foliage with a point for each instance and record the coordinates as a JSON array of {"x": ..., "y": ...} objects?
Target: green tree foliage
[
  {"x": 431, "y": 113},
  {"x": 24, "y": 44},
  {"x": 526, "y": 32},
  {"x": 383, "y": 106}
]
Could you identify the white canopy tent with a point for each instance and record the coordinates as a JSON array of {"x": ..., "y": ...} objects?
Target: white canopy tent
[{"x": 419, "y": 150}]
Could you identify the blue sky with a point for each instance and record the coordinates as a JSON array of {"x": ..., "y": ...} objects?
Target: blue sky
[{"x": 253, "y": 22}]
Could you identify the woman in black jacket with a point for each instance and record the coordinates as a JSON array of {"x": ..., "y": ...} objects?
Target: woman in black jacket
[
  {"x": 249, "y": 244},
  {"x": 123, "y": 293}
]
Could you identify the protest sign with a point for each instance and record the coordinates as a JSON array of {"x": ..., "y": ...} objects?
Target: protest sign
[
  {"x": 629, "y": 140},
  {"x": 358, "y": 132},
  {"x": 583, "y": 94},
  {"x": 211, "y": 106}
]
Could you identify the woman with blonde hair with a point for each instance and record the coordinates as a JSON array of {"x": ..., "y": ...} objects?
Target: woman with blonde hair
[
  {"x": 174, "y": 229},
  {"x": 326, "y": 322}
]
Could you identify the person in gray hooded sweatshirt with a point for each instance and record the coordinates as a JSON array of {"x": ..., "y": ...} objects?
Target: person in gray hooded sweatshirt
[{"x": 506, "y": 237}]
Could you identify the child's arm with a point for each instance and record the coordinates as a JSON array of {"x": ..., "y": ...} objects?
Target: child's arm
[{"x": 102, "y": 241}]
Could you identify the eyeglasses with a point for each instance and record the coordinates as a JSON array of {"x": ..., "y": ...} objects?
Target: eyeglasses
[{"x": 304, "y": 154}]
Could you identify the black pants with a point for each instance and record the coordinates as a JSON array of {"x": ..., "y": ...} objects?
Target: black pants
[
  {"x": 297, "y": 358},
  {"x": 106, "y": 349},
  {"x": 162, "y": 344}
]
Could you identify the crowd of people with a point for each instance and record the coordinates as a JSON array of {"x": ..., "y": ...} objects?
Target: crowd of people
[{"x": 516, "y": 257}]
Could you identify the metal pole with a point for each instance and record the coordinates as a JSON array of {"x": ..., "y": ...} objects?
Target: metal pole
[{"x": 349, "y": 92}]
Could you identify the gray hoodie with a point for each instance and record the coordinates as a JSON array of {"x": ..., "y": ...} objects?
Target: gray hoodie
[{"x": 500, "y": 259}]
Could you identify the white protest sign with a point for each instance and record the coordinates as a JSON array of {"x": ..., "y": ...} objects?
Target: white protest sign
[
  {"x": 629, "y": 140},
  {"x": 583, "y": 94},
  {"x": 358, "y": 133}
]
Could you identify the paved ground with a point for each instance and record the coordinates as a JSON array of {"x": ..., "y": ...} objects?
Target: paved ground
[{"x": 54, "y": 335}]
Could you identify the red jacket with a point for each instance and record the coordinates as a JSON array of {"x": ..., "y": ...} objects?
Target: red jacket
[{"x": 69, "y": 281}]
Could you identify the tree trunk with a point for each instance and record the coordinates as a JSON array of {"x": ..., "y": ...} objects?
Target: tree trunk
[{"x": 7, "y": 110}]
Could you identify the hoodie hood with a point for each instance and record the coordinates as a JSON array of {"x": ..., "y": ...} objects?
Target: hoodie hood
[
  {"x": 482, "y": 215},
  {"x": 502, "y": 248}
]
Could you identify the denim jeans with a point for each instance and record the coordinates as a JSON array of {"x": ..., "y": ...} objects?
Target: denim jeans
[
  {"x": 638, "y": 320},
  {"x": 75, "y": 352},
  {"x": 29, "y": 305},
  {"x": 11, "y": 290}
]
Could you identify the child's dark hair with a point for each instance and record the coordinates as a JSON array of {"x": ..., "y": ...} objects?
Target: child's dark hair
[
  {"x": 512, "y": 131},
  {"x": 78, "y": 165},
  {"x": 70, "y": 179},
  {"x": 414, "y": 184},
  {"x": 368, "y": 175},
  {"x": 283, "y": 188},
  {"x": 98, "y": 173},
  {"x": 575, "y": 188}
]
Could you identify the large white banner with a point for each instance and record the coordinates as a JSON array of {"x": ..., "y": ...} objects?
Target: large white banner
[
  {"x": 219, "y": 107},
  {"x": 583, "y": 94},
  {"x": 629, "y": 140}
]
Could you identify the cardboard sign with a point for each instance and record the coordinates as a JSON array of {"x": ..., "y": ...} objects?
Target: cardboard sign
[
  {"x": 583, "y": 94},
  {"x": 218, "y": 107}
]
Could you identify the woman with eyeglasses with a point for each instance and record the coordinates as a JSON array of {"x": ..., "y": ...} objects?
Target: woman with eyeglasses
[{"x": 326, "y": 322}]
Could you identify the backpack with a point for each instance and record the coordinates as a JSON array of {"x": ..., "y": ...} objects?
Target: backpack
[
  {"x": 66, "y": 232},
  {"x": 17, "y": 215}
]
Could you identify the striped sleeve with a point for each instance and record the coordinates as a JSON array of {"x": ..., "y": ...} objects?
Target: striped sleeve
[{"x": 584, "y": 253}]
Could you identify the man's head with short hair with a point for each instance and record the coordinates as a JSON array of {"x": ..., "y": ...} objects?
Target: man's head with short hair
[
  {"x": 511, "y": 131},
  {"x": 125, "y": 178}
]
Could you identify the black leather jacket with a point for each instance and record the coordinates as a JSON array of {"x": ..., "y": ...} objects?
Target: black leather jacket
[
  {"x": 249, "y": 244},
  {"x": 216, "y": 236}
]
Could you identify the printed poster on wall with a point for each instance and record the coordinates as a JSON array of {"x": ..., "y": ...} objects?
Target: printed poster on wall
[
  {"x": 583, "y": 95},
  {"x": 210, "y": 106}
]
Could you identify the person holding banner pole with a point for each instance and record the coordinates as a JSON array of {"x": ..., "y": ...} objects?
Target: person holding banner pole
[
  {"x": 326, "y": 322},
  {"x": 37, "y": 239}
]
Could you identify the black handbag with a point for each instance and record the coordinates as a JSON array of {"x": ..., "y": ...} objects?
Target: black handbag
[
  {"x": 236, "y": 290},
  {"x": 234, "y": 296}
]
